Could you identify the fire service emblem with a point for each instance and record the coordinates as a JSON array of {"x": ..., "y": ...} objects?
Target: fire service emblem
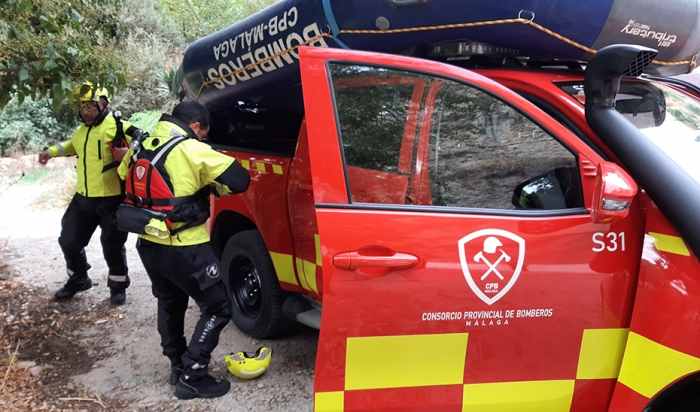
[
  {"x": 140, "y": 171},
  {"x": 491, "y": 262}
]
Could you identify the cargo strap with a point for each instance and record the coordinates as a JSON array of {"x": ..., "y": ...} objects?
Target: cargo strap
[
  {"x": 118, "y": 140},
  {"x": 171, "y": 201}
]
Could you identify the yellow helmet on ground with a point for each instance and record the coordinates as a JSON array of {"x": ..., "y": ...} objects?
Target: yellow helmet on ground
[
  {"x": 86, "y": 92},
  {"x": 248, "y": 367}
]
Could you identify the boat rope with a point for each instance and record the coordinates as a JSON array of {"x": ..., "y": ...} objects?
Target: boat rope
[
  {"x": 505, "y": 21},
  {"x": 259, "y": 62},
  {"x": 692, "y": 63}
]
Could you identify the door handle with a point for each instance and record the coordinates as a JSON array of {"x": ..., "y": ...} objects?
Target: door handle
[{"x": 374, "y": 257}]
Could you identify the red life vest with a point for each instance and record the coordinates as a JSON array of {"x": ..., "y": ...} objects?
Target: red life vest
[{"x": 150, "y": 194}]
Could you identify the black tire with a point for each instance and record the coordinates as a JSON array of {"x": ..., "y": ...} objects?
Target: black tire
[{"x": 255, "y": 290}]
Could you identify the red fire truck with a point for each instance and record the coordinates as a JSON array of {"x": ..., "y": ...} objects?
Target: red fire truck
[{"x": 520, "y": 236}]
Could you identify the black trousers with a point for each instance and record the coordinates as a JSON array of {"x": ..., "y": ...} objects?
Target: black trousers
[
  {"x": 81, "y": 219},
  {"x": 178, "y": 273}
]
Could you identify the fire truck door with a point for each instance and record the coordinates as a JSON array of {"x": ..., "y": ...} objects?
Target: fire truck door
[{"x": 474, "y": 277}]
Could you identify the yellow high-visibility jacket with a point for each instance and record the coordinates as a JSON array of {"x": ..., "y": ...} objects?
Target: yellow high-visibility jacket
[
  {"x": 191, "y": 166},
  {"x": 92, "y": 146}
]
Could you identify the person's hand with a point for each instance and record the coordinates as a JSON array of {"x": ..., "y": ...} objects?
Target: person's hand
[
  {"x": 119, "y": 153},
  {"x": 44, "y": 157},
  {"x": 218, "y": 189}
]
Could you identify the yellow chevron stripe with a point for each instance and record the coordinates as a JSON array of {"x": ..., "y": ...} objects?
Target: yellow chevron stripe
[
  {"x": 601, "y": 353},
  {"x": 284, "y": 267},
  {"x": 245, "y": 163},
  {"x": 400, "y": 361},
  {"x": 310, "y": 275},
  {"x": 260, "y": 166},
  {"x": 670, "y": 244},
  {"x": 300, "y": 272},
  {"x": 277, "y": 169},
  {"x": 649, "y": 366},
  {"x": 329, "y": 402},
  {"x": 531, "y": 396}
]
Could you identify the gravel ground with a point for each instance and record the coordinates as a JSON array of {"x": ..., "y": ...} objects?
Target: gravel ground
[{"x": 122, "y": 343}]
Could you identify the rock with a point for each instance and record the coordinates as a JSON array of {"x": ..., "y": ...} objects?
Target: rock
[
  {"x": 25, "y": 364},
  {"x": 36, "y": 371},
  {"x": 100, "y": 321}
]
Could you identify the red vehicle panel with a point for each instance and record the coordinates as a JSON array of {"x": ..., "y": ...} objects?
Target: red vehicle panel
[
  {"x": 555, "y": 289},
  {"x": 456, "y": 229}
]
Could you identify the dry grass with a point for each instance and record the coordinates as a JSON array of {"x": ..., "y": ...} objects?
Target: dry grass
[
  {"x": 58, "y": 176},
  {"x": 61, "y": 188},
  {"x": 39, "y": 354}
]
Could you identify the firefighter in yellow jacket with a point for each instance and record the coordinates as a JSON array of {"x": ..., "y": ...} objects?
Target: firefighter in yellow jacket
[
  {"x": 167, "y": 180},
  {"x": 99, "y": 143}
]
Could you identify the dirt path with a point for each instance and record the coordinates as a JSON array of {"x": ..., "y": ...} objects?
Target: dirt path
[{"x": 111, "y": 355}]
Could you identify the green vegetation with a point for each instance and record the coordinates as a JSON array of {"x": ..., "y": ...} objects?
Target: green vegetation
[
  {"x": 131, "y": 47},
  {"x": 146, "y": 120},
  {"x": 34, "y": 176},
  {"x": 47, "y": 47},
  {"x": 199, "y": 18},
  {"x": 33, "y": 125}
]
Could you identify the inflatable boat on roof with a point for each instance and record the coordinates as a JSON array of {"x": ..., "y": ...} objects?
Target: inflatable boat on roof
[{"x": 256, "y": 58}]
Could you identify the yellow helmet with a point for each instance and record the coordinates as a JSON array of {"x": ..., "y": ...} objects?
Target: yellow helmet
[
  {"x": 248, "y": 367},
  {"x": 86, "y": 93}
]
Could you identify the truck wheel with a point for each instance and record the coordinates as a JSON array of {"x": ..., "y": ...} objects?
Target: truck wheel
[{"x": 255, "y": 290}]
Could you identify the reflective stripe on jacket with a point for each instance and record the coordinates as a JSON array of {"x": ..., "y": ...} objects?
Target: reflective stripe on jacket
[{"x": 91, "y": 145}]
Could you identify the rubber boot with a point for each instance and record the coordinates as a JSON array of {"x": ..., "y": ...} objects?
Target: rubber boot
[
  {"x": 73, "y": 286},
  {"x": 117, "y": 296},
  {"x": 175, "y": 373},
  {"x": 204, "y": 387}
]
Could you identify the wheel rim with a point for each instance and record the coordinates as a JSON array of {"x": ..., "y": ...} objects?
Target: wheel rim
[{"x": 245, "y": 287}]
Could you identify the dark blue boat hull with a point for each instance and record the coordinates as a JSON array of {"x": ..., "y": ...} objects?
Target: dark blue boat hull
[{"x": 671, "y": 27}]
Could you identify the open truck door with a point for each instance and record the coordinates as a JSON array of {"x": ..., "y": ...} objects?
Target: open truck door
[{"x": 491, "y": 262}]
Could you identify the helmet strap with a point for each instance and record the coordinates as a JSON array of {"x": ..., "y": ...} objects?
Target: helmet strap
[{"x": 102, "y": 115}]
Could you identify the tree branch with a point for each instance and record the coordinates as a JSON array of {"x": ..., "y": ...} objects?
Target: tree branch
[{"x": 193, "y": 10}]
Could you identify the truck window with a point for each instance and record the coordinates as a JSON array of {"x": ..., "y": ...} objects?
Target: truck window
[
  {"x": 257, "y": 128},
  {"x": 378, "y": 114},
  {"x": 461, "y": 148}
]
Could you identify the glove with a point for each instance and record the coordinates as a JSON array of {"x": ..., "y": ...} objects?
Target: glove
[{"x": 157, "y": 228}]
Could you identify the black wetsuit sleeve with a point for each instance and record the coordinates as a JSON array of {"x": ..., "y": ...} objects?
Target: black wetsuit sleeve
[{"x": 235, "y": 177}]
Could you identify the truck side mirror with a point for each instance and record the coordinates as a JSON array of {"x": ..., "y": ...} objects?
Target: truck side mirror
[
  {"x": 539, "y": 193},
  {"x": 558, "y": 188},
  {"x": 615, "y": 191}
]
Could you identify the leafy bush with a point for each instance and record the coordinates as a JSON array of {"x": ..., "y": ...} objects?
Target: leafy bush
[
  {"x": 32, "y": 125},
  {"x": 48, "y": 47},
  {"x": 145, "y": 120},
  {"x": 150, "y": 47},
  {"x": 199, "y": 19},
  {"x": 148, "y": 22}
]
